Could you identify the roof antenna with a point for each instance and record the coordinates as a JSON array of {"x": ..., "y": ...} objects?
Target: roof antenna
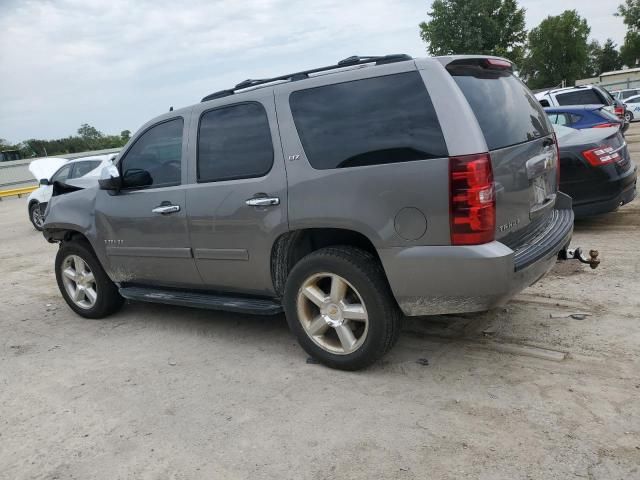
[{"x": 171, "y": 109}]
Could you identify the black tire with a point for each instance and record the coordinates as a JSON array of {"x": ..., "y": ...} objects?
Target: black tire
[
  {"x": 628, "y": 116},
  {"x": 34, "y": 211},
  {"x": 108, "y": 300},
  {"x": 365, "y": 274}
]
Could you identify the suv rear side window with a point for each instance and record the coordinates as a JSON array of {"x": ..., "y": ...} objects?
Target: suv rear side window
[
  {"x": 62, "y": 174},
  {"x": 506, "y": 110},
  {"x": 368, "y": 122},
  {"x": 587, "y": 96},
  {"x": 234, "y": 142},
  {"x": 159, "y": 152}
]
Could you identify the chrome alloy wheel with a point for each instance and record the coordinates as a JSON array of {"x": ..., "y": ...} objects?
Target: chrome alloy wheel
[
  {"x": 332, "y": 313},
  {"x": 79, "y": 282},
  {"x": 36, "y": 216}
]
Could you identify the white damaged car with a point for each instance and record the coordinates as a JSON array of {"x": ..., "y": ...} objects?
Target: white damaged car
[{"x": 50, "y": 170}]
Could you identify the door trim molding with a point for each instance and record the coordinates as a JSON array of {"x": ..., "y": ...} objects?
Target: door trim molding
[
  {"x": 221, "y": 254},
  {"x": 159, "y": 252}
]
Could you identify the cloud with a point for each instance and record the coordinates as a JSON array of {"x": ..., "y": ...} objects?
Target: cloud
[{"x": 117, "y": 63}]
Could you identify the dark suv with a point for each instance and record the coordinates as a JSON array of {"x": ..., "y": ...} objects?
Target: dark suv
[{"x": 346, "y": 195}]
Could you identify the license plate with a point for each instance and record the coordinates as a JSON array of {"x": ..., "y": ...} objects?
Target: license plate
[{"x": 540, "y": 194}]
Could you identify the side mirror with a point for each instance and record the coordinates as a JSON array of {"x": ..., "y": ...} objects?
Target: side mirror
[
  {"x": 136, "y": 178},
  {"x": 44, "y": 182},
  {"x": 110, "y": 179}
]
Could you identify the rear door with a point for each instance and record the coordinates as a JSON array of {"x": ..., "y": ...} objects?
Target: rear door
[
  {"x": 237, "y": 201},
  {"x": 520, "y": 141}
]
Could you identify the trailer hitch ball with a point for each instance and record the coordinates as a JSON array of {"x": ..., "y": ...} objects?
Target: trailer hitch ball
[{"x": 577, "y": 254}]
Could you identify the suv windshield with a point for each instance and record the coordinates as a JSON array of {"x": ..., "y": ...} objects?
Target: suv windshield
[{"x": 506, "y": 110}]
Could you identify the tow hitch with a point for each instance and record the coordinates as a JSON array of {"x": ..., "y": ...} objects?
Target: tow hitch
[{"x": 576, "y": 254}]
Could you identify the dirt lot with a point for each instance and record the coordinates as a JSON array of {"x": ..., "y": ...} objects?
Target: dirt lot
[{"x": 160, "y": 392}]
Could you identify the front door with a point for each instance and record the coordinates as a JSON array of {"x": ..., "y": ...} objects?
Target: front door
[
  {"x": 237, "y": 203},
  {"x": 144, "y": 226}
]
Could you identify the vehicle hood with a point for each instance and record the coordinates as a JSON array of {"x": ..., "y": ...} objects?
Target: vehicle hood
[
  {"x": 585, "y": 136},
  {"x": 46, "y": 167}
]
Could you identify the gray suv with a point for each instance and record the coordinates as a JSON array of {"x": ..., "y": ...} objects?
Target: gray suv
[{"x": 346, "y": 196}]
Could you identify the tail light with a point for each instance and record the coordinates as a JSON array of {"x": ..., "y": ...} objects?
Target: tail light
[
  {"x": 602, "y": 155},
  {"x": 555, "y": 141},
  {"x": 619, "y": 111},
  {"x": 607, "y": 125},
  {"x": 472, "y": 200},
  {"x": 497, "y": 64}
]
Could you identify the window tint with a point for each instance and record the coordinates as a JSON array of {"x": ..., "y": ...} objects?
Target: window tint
[
  {"x": 234, "y": 142},
  {"x": 584, "y": 96},
  {"x": 544, "y": 103},
  {"x": 629, "y": 93},
  {"x": 575, "y": 118},
  {"x": 62, "y": 174},
  {"x": 157, "y": 151},
  {"x": 368, "y": 122},
  {"x": 506, "y": 110},
  {"x": 80, "y": 169}
]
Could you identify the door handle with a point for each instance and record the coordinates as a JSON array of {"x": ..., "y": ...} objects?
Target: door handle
[
  {"x": 263, "y": 201},
  {"x": 165, "y": 209}
]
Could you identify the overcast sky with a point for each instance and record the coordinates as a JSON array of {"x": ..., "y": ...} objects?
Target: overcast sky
[{"x": 116, "y": 63}]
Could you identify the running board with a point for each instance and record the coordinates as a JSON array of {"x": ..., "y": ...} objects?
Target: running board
[{"x": 252, "y": 306}]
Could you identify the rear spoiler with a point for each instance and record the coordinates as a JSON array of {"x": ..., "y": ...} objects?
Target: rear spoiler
[{"x": 484, "y": 67}]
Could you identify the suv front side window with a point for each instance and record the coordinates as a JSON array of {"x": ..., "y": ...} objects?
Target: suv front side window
[{"x": 158, "y": 152}]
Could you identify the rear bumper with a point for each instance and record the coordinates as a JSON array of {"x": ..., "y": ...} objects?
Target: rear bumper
[
  {"x": 627, "y": 192},
  {"x": 430, "y": 280}
]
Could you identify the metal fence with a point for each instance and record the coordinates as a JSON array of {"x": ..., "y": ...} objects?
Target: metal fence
[{"x": 15, "y": 174}]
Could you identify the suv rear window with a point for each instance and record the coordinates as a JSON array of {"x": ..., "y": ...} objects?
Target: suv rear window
[
  {"x": 506, "y": 110},
  {"x": 373, "y": 121},
  {"x": 587, "y": 96}
]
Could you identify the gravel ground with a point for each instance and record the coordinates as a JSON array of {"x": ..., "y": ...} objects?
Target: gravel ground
[{"x": 158, "y": 392}]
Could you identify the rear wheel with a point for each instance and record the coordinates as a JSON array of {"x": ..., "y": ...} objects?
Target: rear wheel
[
  {"x": 340, "y": 307},
  {"x": 628, "y": 116},
  {"x": 83, "y": 282},
  {"x": 36, "y": 217}
]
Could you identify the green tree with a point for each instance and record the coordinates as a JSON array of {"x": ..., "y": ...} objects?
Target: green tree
[
  {"x": 610, "y": 58},
  {"x": 603, "y": 58},
  {"x": 89, "y": 133},
  {"x": 595, "y": 56},
  {"x": 125, "y": 135},
  {"x": 557, "y": 51},
  {"x": 630, "y": 13},
  {"x": 630, "y": 50},
  {"x": 486, "y": 27}
]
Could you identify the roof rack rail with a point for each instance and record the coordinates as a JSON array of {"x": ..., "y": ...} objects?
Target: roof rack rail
[{"x": 292, "y": 77}]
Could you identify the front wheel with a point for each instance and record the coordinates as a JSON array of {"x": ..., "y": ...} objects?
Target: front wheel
[
  {"x": 36, "y": 216},
  {"x": 83, "y": 282},
  {"x": 340, "y": 307}
]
